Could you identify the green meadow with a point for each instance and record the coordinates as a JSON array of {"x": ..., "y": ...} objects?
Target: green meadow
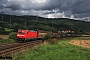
[
  {"x": 58, "y": 51},
  {"x": 6, "y": 41}
]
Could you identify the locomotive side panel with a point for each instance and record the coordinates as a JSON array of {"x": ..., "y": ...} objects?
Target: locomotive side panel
[
  {"x": 26, "y": 35},
  {"x": 32, "y": 34}
]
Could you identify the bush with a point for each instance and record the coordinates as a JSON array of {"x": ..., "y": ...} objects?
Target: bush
[
  {"x": 6, "y": 41},
  {"x": 0, "y": 38},
  {"x": 12, "y": 35},
  {"x": 47, "y": 37},
  {"x": 3, "y": 32}
]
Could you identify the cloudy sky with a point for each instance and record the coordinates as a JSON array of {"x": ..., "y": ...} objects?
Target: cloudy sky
[{"x": 47, "y": 8}]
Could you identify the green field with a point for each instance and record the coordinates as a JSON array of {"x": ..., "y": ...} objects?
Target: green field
[
  {"x": 59, "y": 51},
  {"x": 6, "y": 41}
]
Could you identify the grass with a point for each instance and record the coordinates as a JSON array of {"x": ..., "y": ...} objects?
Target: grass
[
  {"x": 59, "y": 51},
  {"x": 5, "y": 41}
]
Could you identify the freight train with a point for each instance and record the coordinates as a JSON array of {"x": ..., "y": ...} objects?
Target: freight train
[{"x": 27, "y": 35}]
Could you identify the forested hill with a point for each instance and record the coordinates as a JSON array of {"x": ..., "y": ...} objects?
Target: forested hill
[{"x": 12, "y": 22}]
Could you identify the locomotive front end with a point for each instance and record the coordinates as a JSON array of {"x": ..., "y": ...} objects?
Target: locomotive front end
[{"x": 21, "y": 35}]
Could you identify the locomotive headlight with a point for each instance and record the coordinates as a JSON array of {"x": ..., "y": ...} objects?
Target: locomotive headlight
[
  {"x": 23, "y": 35},
  {"x": 18, "y": 35}
]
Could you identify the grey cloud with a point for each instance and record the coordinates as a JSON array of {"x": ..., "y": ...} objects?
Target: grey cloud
[
  {"x": 81, "y": 6},
  {"x": 77, "y": 8},
  {"x": 24, "y": 4},
  {"x": 82, "y": 15}
]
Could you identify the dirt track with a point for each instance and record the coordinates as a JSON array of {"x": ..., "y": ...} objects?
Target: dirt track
[{"x": 82, "y": 43}]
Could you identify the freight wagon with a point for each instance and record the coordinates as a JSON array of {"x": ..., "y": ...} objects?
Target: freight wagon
[{"x": 27, "y": 35}]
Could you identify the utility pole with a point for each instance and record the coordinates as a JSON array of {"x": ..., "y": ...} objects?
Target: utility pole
[
  {"x": 10, "y": 20},
  {"x": 52, "y": 29},
  {"x": 36, "y": 18},
  {"x": 25, "y": 25},
  {"x": 45, "y": 21},
  {"x": 2, "y": 16},
  {"x": 52, "y": 25},
  {"x": 10, "y": 24}
]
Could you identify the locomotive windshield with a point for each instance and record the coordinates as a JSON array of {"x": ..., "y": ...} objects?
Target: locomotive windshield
[{"x": 21, "y": 32}]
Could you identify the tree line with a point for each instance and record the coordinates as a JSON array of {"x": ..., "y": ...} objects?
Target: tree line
[{"x": 13, "y": 23}]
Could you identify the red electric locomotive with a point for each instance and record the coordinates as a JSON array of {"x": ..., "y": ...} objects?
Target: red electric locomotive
[{"x": 26, "y": 35}]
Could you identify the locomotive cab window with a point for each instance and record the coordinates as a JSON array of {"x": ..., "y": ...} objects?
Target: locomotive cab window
[{"x": 21, "y": 32}]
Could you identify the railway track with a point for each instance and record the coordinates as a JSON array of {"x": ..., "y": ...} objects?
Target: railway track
[{"x": 11, "y": 49}]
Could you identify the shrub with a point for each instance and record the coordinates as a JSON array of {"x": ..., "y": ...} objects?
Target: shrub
[
  {"x": 0, "y": 38},
  {"x": 47, "y": 37},
  {"x": 3, "y": 32},
  {"x": 12, "y": 35},
  {"x": 6, "y": 41}
]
